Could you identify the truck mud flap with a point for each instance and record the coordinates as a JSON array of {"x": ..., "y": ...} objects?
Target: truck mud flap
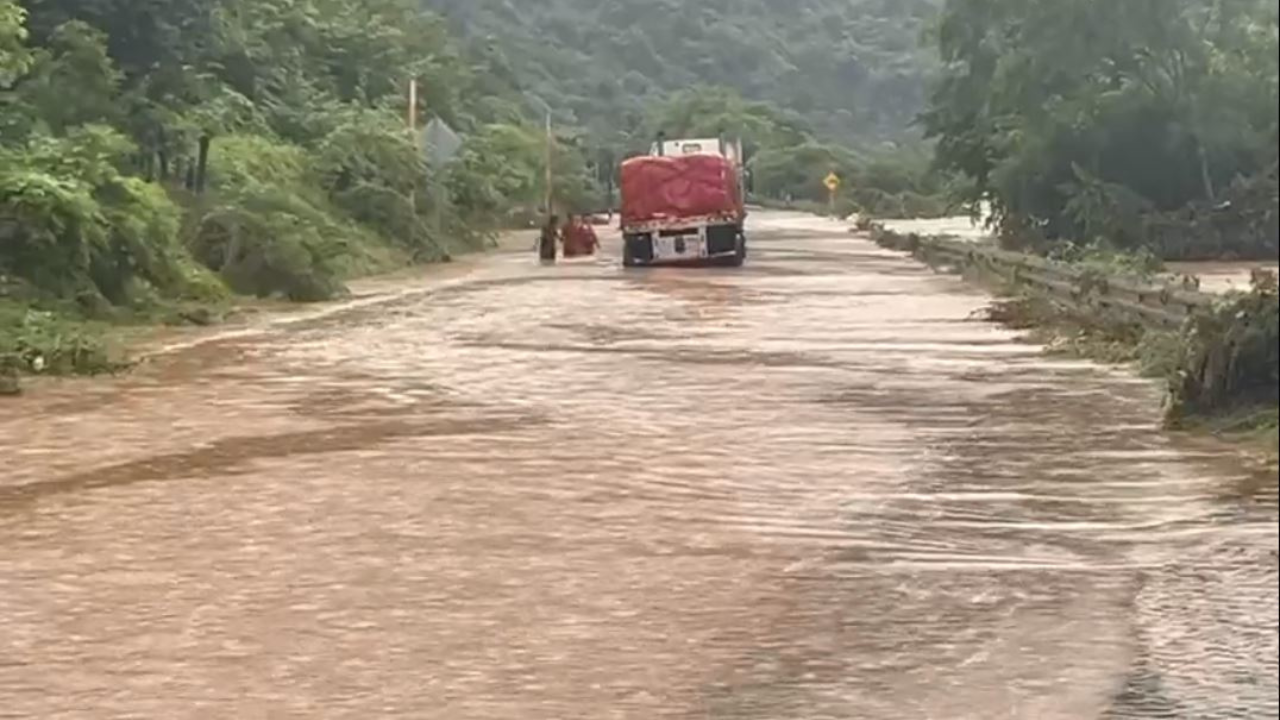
[
  {"x": 637, "y": 250},
  {"x": 722, "y": 239}
]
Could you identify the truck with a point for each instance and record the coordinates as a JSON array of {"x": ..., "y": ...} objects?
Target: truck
[{"x": 682, "y": 204}]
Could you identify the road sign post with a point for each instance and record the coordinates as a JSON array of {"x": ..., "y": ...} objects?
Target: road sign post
[
  {"x": 441, "y": 145},
  {"x": 550, "y": 180},
  {"x": 832, "y": 182}
]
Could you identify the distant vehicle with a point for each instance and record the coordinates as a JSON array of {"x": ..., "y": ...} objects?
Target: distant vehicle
[{"x": 682, "y": 204}]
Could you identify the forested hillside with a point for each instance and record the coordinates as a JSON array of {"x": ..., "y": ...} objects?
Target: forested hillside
[{"x": 856, "y": 71}]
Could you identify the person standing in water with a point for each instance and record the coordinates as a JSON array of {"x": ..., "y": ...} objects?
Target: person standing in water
[
  {"x": 579, "y": 237},
  {"x": 590, "y": 242},
  {"x": 548, "y": 238}
]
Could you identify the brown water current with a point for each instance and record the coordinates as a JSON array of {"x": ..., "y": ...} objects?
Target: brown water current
[{"x": 811, "y": 488}]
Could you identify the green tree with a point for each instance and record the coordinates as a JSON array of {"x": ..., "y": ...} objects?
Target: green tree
[
  {"x": 77, "y": 225},
  {"x": 1083, "y": 118},
  {"x": 72, "y": 81},
  {"x": 13, "y": 34}
]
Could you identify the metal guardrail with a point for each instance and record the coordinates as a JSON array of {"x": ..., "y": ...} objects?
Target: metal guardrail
[{"x": 1162, "y": 306}]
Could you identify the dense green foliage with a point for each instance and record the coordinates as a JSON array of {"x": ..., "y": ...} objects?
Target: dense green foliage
[
  {"x": 147, "y": 143},
  {"x": 1144, "y": 122},
  {"x": 1231, "y": 357},
  {"x": 74, "y": 226},
  {"x": 854, "y": 70},
  {"x": 31, "y": 339},
  {"x": 13, "y": 53}
]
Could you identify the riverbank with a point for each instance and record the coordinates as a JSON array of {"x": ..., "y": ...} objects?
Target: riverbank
[{"x": 43, "y": 342}]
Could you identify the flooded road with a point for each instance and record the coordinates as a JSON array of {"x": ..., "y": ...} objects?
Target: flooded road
[
  {"x": 962, "y": 228},
  {"x": 812, "y": 488},
  {"x": 1214, "y": 277},
  {"x": 1223, "y": 277}
]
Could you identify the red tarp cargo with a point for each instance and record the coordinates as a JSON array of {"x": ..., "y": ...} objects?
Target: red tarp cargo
[{"x": 670, "y": 188}]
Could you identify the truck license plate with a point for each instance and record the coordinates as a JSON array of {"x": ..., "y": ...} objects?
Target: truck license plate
[{"x": 679, "y": 245}]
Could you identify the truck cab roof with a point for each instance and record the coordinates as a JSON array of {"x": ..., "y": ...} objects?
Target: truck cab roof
[{"x": 728, "y": 149}]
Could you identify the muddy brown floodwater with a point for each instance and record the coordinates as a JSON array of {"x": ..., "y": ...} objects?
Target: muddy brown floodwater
[{"x": 811, "y": 488}]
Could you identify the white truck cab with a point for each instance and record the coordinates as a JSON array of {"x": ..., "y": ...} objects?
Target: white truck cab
[{"x": 731, "y": 150}]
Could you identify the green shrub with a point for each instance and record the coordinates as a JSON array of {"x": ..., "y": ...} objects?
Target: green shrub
[
  {"x": 32, "y": 341},
  {"x": 1231, "y": 356},
  {"x": 76, "y": 227},
  {"x": 1101, "y": 258},
  {"x": 265, "y": 251},
  {"x": 268, "y": 229},
  {"x": 1159, "y": 353},
  {"x": 371, "y": 170}
]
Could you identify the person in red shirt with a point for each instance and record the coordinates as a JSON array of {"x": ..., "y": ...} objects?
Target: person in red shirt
[
  {"x": 579, "y": 237},
  {"x": 590, "y": 241},
  {"x": 571, "y": 236}
]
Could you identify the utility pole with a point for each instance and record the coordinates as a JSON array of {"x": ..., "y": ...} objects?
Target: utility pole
[
  {"x": 412, "y": 118},
  {"x": 550, "y": 159},
  {"x": 549, "y": 179},
  {"x": 413, "y": 106},
  {"x": 606, "y": 170}
]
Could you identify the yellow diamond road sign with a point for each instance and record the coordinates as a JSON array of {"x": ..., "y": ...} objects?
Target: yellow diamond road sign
[{"x": 832, "y": 182}]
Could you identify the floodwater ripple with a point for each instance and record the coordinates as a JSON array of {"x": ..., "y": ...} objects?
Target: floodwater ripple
[{"x": 812, "y": 488}]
